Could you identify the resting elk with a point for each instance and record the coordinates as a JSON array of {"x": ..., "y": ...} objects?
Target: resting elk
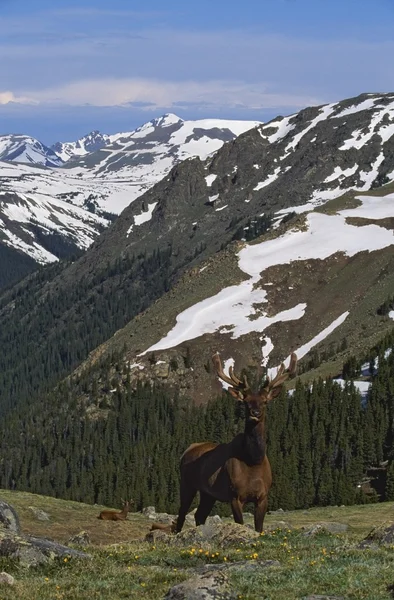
[
  {"x": 169, "y": 528},
  {"x": 239, "y": 471},
  {"x": 113, "y": 515}
]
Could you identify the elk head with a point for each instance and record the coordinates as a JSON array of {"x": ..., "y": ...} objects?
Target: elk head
[{"x": 255, "y": 402}]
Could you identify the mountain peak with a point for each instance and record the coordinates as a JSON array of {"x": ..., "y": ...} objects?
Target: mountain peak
[{"x": 167, "y": 120}]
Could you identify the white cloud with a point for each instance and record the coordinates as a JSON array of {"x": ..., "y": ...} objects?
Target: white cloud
[
  {"x": 165, "y": 94},
  {"x": 7, "y": 97}
]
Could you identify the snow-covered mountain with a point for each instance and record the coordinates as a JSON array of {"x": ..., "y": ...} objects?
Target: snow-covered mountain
[
  {"x": 72, "y": 203},
  {"x": 303, "y": 159},
  {"x": 88, "y": 143},
  {"x": 144, "y": 156},
  {"x": 25, "y": 149}
]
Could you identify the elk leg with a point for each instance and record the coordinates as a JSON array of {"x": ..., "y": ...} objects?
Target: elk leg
[
  {"x": 187, "y": 496},
  {"x": 204, "y": 508},
  {"x": 236, "y": 507},
  {"x": 260, "y": 508}
]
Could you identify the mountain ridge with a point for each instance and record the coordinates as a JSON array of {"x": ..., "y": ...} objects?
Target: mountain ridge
[
  {"x": 49, "y": 213},
  {"x": 201, "y": 207}
]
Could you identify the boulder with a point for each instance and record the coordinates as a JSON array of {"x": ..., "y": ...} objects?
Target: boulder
[
  {"x": 325, "y": 526},
  {"x": 382, "y": 535},
  {"x": 41, "y": 515},
  {"x": 211, "y": 581},
  {"x": 81, "y": 539},
  {"x": 206, "y": 586},
  {"x": 9, "y": 519},
  {"x": 26, "y": 549},
  {"x": 148, "y": 511},
  {"x": 6, "y": 579}
]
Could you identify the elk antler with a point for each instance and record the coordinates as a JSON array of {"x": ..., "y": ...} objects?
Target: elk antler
[
  {"x": 233, "y": 380},
  {"x": 283, "y": 374}
]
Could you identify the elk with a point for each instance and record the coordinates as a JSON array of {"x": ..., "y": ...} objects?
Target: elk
[
  {"x": 169, "y": 528},
  {"x": 239, "y": 471},
  {"x": 113, "y": 515}
]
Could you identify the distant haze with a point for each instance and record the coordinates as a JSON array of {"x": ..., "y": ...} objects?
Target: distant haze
[{"x": 74, "y": 66}]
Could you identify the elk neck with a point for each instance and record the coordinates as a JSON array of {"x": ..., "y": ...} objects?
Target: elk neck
[{"x": 254, "y": 441}]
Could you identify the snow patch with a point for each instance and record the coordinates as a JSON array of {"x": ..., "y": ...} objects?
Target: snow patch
[
  {"x": 210, "y": 179},
  {"x": 269, "y": 179},
  {"x": 143, "y": 217}
]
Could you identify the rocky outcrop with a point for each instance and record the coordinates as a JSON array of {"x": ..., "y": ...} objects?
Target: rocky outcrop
[
  {"x": 382, "y": 535},
  {"x": 207, "y": 586},
  {"x": 9, "y": 519},
  {"x": 212, "y": 533},
  {"x": 212, "y": 581},
  {"x": 28, "y": 550},
  {"x": 327, "y": 527}
]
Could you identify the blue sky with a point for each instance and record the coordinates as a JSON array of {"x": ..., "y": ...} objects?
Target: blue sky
[{"x": 69, "y": 66}]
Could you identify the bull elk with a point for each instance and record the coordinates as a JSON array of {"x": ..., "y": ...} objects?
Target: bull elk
[
  {"x": 239, "y": 471},
  {"x": 113, "y": 515}
]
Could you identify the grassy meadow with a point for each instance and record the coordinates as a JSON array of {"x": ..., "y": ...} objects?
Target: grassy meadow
[{"x": 124, "y": 565}]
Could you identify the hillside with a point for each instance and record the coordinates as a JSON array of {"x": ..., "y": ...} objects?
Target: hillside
[
  {"x": 124, "y": 565},
  {"x": 200, "y": 208}
]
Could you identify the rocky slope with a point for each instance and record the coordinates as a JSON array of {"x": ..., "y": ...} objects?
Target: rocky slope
[{"x": 95, "y": 140}]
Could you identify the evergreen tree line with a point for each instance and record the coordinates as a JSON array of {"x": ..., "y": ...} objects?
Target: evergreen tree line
[
  {"x": 49, "y": 328},
  {"x": 80, "y": 444}
]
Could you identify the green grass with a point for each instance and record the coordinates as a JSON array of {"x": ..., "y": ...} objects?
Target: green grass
[{"x": 126, "y": 566}]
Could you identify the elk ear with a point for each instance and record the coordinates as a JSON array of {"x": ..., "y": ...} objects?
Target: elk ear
[{"x": 236, "y": 394}]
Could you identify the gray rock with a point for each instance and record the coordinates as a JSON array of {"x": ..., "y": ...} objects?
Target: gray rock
[
  {"x": 382, "y": 535},
  {"x": 207, "y": 586},
  {"x": 81, "y": 539},
  {"x": 148, "y": 510},
  {"x": 28, "y": 550},
  {"x": 164, "y": 518},
  {"x": 6, "y": 579},
  {"x": 157, "y": 535},
  {"x": 9, "y": 519},
  {"x": 325, "y": 526},
  {"x": 218, "y": 534},
  {"x": 161, "y": 370},
  {"x": 41, "y": 515},
  {"x": 214, "y": 519}
]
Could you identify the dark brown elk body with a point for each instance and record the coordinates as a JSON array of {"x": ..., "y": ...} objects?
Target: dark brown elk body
[
  {"x": 113, "y": 515},
  {"x": 239, "y": 471}
]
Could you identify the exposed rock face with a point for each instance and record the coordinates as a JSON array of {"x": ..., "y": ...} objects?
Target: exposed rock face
[
  {"x": 218, "y": 534},
  {"x": 9, "y": 519},
  {"x": 382, "y": 535},
  {"x": 28, "y": 550}
]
